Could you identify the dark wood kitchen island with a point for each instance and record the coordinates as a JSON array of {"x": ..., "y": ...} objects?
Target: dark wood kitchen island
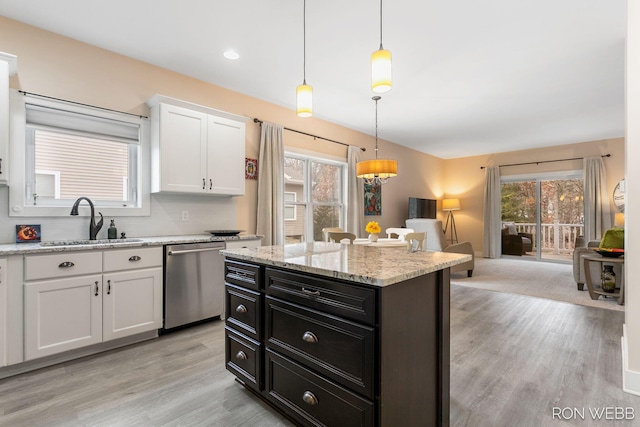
[{"x": 342, "y": 335}]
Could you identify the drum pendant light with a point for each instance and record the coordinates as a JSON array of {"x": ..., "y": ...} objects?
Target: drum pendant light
[
  {"x": 381, "y": 66},
  {"x": 304, "y": 92},
  {"x": 376, "y": 171}
]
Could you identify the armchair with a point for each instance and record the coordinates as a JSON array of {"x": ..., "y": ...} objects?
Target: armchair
[
  {"x": 514, "y": 243},
  {"x": 436, "y": 241},
  {"x": 582, "y": 248}
]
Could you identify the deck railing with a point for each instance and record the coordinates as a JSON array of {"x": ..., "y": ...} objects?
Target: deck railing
[{"x": 555, "y": 238}]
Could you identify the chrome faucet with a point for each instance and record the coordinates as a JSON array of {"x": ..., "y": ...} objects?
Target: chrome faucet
[{"x": 93, "y": 227}]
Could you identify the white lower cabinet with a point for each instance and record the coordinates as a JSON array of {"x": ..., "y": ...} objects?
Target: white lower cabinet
[
  {"x": 3, "y": 311},
  {"x": 123, "y": 298}
]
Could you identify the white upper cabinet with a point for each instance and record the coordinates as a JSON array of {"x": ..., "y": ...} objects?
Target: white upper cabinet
[
  {"x": 196, "y": 149},
  {"x": 7, "y": 68}
]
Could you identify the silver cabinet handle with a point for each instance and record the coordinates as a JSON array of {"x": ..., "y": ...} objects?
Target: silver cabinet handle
[
  {"x": 134, "y": 258},
  {"x": 241, "y": 309},
  {"x": 96, "y": 294},
  {"x": 210, "y": 183},
  {"x": 204, "y": 184},
  {"x": 311, "y": 293},
  {"x": 241, "y": 355},
  {"x": 108, "y": 287},
  {"x": 66, "y": 264},
  {"x": 309, "y": 337},
  {"x": 309, "y": 398}
]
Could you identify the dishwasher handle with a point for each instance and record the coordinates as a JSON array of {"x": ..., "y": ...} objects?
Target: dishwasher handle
[{"x": 190, "y": 251}]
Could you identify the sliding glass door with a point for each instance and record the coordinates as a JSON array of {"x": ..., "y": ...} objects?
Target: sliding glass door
[{"x": 542, "y": 215}]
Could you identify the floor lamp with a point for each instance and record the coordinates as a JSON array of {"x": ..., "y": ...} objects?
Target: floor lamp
[{"x": 451, "y": 205}]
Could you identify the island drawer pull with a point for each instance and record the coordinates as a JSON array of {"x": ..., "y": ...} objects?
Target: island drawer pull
[
  {"x": 309, "y": 398},
  {"x": 309, "y": 337},
  {"x": 311, "y": 293},
  {"x": 66, "y": 264},
  {"x": 241, "y": 355},
  {"x": 135, "y": 258},
  {"x": 241, "y": 309}
]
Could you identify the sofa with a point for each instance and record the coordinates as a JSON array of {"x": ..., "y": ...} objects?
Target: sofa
[
  {"x": 514, "y": 243},
  {"x": 436, "y": 241}
]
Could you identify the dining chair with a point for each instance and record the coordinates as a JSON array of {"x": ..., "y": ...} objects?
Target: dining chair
[
  {"x": 416, "y": 241},
  {"x": 338, "y": 237},
  {"x": 400, "y": 232},
  {"x": 326, "y": 230}
]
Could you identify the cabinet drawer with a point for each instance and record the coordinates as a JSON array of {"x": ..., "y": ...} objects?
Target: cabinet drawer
[
  {"x": 65, "y": 264},
  {"x": 339, "y": 349},
  {"x": 135, "y": 258},
  {"x": 329, "y": 296},
  {"x": 243, "y": 358},
  {"x": 311, "y": 399},
  {"x": 244, "y": 310},
  {"x": 243, "y": 274}
]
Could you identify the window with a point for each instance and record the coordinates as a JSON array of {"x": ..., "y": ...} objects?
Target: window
[
  {"x": 314, "y": 197},
  {"x": 71, "y": 150}
]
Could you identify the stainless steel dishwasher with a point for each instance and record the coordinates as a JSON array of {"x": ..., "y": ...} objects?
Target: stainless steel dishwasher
[{"x": 193, "y": 283}]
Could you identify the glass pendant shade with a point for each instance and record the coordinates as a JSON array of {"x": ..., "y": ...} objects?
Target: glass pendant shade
[
  {"x": 304, "y": 97},
  {"x": 377, "y": 168},
  {"x": 381, "y": 71}
]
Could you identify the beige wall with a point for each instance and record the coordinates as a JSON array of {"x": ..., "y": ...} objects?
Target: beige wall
[
  {"x": 464, "y": 179},
  {"x": 57, "y": 66}
]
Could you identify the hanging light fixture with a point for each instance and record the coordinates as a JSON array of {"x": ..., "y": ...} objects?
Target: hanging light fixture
[
  {"x": 381, "y": 66},
  {"x": 304, "y": 92},
  {"x": 376, "y": 171}
]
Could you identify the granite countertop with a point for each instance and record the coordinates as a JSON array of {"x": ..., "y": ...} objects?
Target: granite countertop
[
  {"x": 377, "y": 266},
  {"x": 83, "y": 245}
]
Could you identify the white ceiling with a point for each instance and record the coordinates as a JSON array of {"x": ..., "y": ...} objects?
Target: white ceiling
[{"x": 470, "y": 77}]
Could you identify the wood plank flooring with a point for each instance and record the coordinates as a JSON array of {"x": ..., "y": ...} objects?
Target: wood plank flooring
[{"x": 513, "y": 358}]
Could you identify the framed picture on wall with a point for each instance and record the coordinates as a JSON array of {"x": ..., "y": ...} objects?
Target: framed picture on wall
[
  {"x": 372, "y": 199},
  {"x": 250, "y": 168}
]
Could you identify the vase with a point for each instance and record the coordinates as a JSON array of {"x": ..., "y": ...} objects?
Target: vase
[
  {"x": 608, "y": 279},
  {"x": 373, "y": 237}
]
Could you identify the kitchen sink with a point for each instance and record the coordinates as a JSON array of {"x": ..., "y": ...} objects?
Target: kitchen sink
[{"x": 88, "y": 242}]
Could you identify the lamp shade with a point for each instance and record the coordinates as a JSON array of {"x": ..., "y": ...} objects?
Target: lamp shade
[
  {"x": 381, "y": 71},
  {"x": 381, "y": 168},
  {"x": 451, "y": 204},
  {"x": 304, "y": 100},
  {"x": 619, "y": 219}
]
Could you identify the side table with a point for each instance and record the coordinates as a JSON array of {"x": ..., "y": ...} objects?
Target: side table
[{"x": 595, "y": 290}]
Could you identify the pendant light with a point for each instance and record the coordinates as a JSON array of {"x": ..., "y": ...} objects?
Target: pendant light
[
  {"x": 304, "y": 92},
  {"x": 381, "y": 66},
  {"x": 376, "y": 171}
]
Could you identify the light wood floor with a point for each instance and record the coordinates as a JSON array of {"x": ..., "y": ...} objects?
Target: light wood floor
[{"x": 513, "y": 358}]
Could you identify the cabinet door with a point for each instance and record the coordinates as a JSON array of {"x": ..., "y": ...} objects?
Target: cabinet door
[
  {"x": 62, "y": 315},
  {"x": 183, "y": 148},
  {"x": 225, "y": 156},
  {"x": 3, "y": 311},
  {"x": 7, "y": 67},
  {"x": 132, "y": 302}
]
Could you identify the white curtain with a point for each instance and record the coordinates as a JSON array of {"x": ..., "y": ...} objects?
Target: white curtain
[
  {"x": 355, "y": 194},
  {"x": 491, "y": 247},
  {"x": 597, "y": 215},
  {"x": 270, "y": 218}
]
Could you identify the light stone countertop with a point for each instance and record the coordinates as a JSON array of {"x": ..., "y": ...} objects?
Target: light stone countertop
[
  {"x": 377, "y": 266},
  {"x": 64, "y": 246}
]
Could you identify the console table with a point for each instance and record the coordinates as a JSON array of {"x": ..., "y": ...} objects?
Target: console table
[{"x": 595, "y": 291}]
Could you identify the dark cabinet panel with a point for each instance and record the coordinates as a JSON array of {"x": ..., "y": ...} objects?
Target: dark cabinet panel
[
  {"x": 243, "y": 274},
  {"x": 244, "y": 358},
  {"x": 244, "y": 310}
]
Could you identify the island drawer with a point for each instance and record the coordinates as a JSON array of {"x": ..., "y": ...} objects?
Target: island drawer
[
  {"x": 51, "y": 266},
  {"x": 244, "y": 310},
  {"x": 244, "y": 358},
  {"x": 243, "y": 274},
  {"x": 129, "y": 259},
  {"x": 339, "y": 349},
  {"x": 310, "y": 399},
  {"x": 329, "y": 296}
]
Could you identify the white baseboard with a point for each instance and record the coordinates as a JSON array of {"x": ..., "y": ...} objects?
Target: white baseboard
[{"x": 630, "y": 379}]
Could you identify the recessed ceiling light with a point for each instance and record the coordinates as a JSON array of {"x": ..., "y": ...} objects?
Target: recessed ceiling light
[{"x": 231, "y": 54}]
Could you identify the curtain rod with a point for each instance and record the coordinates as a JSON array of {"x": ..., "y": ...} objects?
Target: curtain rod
[
  {"x": 80, "y": 103},
  {"x": 309, "y": 134},
  {"x": 544, "y": 161}
]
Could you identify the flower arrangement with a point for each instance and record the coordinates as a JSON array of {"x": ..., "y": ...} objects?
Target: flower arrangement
[{"x": 373, "y": 227}]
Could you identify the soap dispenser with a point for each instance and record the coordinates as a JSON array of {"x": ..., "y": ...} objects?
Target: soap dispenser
[{"x": 112, "y": 231}]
